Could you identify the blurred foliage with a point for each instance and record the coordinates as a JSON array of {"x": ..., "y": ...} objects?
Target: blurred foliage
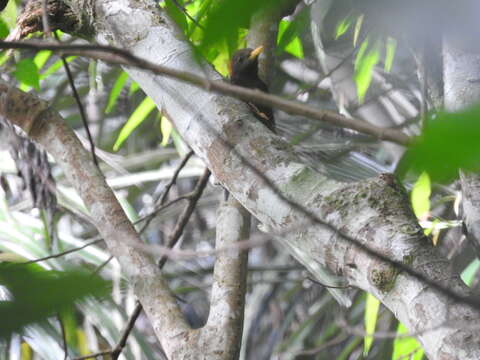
[
  {"x": 225, "y": 19},
  {"x": 365, "y": 61},
  {"x": 136, "y": 118},
  {"x": 448, "y": 143},
  {"x": 406, "y": 347},
  {"x": 372, "y": 306},
  {"x": 26, "y": 72},
  {"x": 36, "y": 294},
  {"x": 420, "y": 196}
]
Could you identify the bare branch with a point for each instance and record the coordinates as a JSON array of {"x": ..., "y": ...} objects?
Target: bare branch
[{"x": 123, "y": 57}]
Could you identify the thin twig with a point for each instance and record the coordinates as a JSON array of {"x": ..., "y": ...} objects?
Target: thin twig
[
  {"x": 172, "y": 181},
  {"x": 45, "y": 22},
  {"x": 119, "y": 56},
  {"x": 81, "y": 109},
  {"x": 185, "y": 216},
  {"x": 117, "y": 350},
  {"x": 63, "y": 253}
]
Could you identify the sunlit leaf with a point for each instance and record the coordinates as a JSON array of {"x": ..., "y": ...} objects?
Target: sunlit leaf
[
  {"x": 37, "y": 294},
  {"x": 406, "y": 347},
  {"x": 365, "y": 62},
  {"x": 372, "y": 305},
  {"x": 134, "y": 87},
  {"x": 9, "y": 14},
  {"x": 41, "y": 58},
  {"x": 138, "y": 116},
  {"x": 342, "y": 27},
  {"x": 449, "y": 142},
  {"x": 420, "y": 196},
  {"x": 116, "y": 90},
  {"x": 390, "y": 49},
  {"x": 288, "y": 39},
  {"x": 26, "y": 72},
  {"x": 166, "y": 129}
]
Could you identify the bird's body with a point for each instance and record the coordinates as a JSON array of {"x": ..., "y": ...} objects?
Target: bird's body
[{"x": 244, "y": 72}]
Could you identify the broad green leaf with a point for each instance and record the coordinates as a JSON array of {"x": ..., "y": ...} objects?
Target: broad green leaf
[
  {"x": 390, "y": 49},
  {"x": 166, "y": 129},
  {"x": 140, "y": 114},
  {"x": 470, "y": 271},
  {"x": 420, "y": 196},
  {"x": 288, "y": 39},
  {"x": 449, "y": 142},
  {"x": 116, "y": 90},
  {"x": 406, "y": 347},
  {"x": 342, "y": 27},
  {"x": 227, "y": 17},
  {"x": 365, "y": 62},
  {"x": 37, "y": 294},
  {"x": 372, "y": 305},
  {"x": 26, "y": 72}
]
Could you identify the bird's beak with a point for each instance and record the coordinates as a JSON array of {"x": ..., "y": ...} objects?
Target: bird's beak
[{"x": 255, "y": 52}]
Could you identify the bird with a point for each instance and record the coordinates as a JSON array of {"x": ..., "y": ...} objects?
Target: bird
[{"x": 244, "y": 72}]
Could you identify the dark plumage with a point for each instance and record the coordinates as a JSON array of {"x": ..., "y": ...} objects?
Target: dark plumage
[{"x": 244, "y": 72}]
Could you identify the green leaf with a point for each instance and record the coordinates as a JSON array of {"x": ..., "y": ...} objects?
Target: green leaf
[
  {"x": 116, "y": 90},
  {"x": 134, "y": 87},
  {"x": 37, "y": 294},
  {"x": 26, "y": 72},
  {"x": 176, "y": 14},
  {"x": 4, "y": 31},
  {"x": 449, "y": 142},
  {"x": 41, "y": 58},
  {"x": 140, "y": 114},
  {"x": 342, "y": 27},
  {"x": 365, "y": 62},
  {"x": 470, "y": 271},
  {"x": 372, "y": 305},
  {"x": 288, "y": 39},
  {"x": 9, "y": 14},
  {"x": 166, "y": 129},
  {"x": 406, "y": 347},
  {"x": 227, "y": 17},
  {"x": 391, "y": 48},
  {"x": 420, "y": 196}
]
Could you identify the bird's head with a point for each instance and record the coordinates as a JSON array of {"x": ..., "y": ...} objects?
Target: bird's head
[{"x": 245, "y": 61}]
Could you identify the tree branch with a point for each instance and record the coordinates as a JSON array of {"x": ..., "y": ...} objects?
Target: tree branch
[{"x": 123, "y": 57}]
